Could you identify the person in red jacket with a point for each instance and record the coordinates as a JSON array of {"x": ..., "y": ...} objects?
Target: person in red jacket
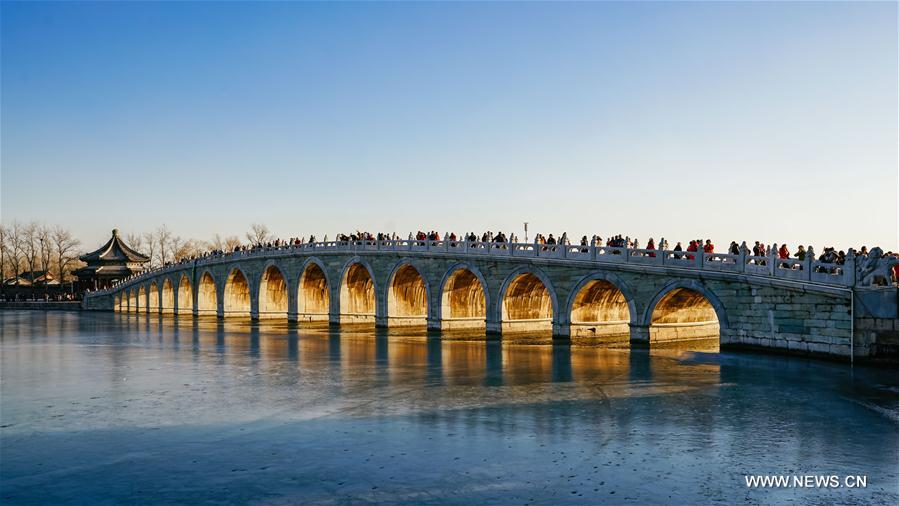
[
  {"x": 783, "y": 252},
  {"x": 692, "y": 247},
  {"x": 709, "y": 247}
]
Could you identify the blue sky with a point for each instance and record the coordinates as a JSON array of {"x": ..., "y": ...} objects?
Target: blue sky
[{"x": 769, "y": 121}]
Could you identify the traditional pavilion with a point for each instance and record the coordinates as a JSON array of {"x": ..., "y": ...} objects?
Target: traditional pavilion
[{"x": 114, "y": 261}]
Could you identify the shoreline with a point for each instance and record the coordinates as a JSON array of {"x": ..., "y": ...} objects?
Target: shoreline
[{"x": 68, "y": 305}]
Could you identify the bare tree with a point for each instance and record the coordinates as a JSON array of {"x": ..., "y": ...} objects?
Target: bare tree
[
  {"x": 44, "y": 234},
  {"x": 4, "y": 251},
  {"x": 232, "y": 242},
  {"x": 150, "y": 242},
  {"x": 31, "y": 247},
  {"x": 259, "y": 234},
  {"x": 135, "y": 241},
  {"x": 16, "y": 234},
  {"x": 185, "y": 249},
  {"x": 163, "y": 237},
  {"x": 216, "y": 243},
  {"x": 223, "y": 244},
  {"x": 64, "y": 250},
  {"x": 175, "y": 244}
]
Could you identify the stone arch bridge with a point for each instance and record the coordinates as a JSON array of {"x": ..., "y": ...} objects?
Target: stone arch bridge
[{"x": 602, "y": 293}]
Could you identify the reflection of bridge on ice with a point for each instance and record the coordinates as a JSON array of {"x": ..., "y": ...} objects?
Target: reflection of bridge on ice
[{"x": 572, "y": 290}]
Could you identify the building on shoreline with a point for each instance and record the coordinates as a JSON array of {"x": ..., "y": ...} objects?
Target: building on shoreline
[
  {"x": 32, "y": 278},
  {"x": 110, "y": 263}
]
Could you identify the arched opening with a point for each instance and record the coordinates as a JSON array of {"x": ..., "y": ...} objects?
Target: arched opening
[
  {"x": 407, "y": 298},
  {"x": 463, "y": 302},
  {"x": 117, "y": 303},
  {"x": 132, "y": 301},
  {"x": 272, "y": 294},
  {"x": 207, "y": 298},
  {"x": 153, "y": 298},
  {"x": 357, "y": 295},
  {"x": 527, "y": 305},
  {"x": 141, "y": 300},
  {"x": 237, "y": 294},
  {"x": 313, "y": 300},
  {"x": 185, "y": 296},
  {"x": 600, "y": 311},
  {"x": 168, "y": 297},
  {"x": 684, "y": 314}
]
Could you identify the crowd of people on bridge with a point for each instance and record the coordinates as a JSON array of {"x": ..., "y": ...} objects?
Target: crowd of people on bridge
[{"x": 829, "y": 261}]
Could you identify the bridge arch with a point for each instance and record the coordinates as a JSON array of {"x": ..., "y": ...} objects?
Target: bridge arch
[
  {"x": 117, "y": 303},
  {"x": 207, "y": 294},
  {"x": 313, "y": 291},
  {"x": 408, "y": 294},
  {"x": 153, "y": 298},
  {"x": 600, "y": 305},
  {"x": 237, "y": 298},
  {"x": 527, "y": 301},
  {"x": 185, "y": 303},
  {"x": 358, "y": 291},
  {"x": 142, "y": 302},
  {"x": 273, "y": 292},
  {"x": 132, "y": 303},
  {"x": 167, "y": 298},
  {"x": 684, "y": 310},
  {"x": 464, "y": 298}
]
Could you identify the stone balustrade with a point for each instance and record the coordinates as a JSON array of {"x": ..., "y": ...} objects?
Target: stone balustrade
[{"x": 808, "y": 270}]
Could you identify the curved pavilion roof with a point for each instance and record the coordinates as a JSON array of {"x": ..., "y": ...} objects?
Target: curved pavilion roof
[{"x": 115, "y": 250}]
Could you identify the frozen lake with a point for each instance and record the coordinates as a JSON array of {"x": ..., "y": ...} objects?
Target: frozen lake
[{"x": 110, "y": 408}]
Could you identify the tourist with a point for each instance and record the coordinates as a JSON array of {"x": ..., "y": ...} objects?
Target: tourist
[
  {"x": 783, "y": 253},
  {"x": 692, "y": 248}
]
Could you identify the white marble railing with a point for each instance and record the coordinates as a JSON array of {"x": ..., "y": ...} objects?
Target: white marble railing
[{"x": 803, "y": 270}]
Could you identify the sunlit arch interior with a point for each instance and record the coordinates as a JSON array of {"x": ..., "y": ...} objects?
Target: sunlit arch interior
[
  {"x": 185, "y": 296},
  {"x": 357, "y": 294},
  {"x": 207, "y": 298},
  {"x": 684, "y": 314},
  {"x": 141, "y": 300},
  {"x": 407, "y": 297},
  {"x": 237, "y": 294},
  {"x": 168, "y": 297},
  {"x": 463, "y": 301},
  {"x": 600, "y": 310},
  {"x": 272, "y": 294},
  {"x": 527, "y": 305},
  {"x": 313, "y": 299},
  {"x": 153, "y": 298}
]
